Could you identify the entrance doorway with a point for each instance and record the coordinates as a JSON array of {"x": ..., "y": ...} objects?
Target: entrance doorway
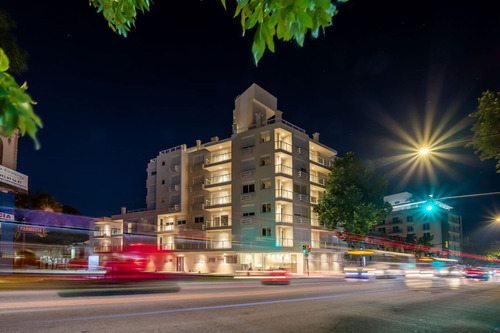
[{"x": 180, "y": 264}]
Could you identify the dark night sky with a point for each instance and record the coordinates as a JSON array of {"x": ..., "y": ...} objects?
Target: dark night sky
[{"x": 109, "y": 103}]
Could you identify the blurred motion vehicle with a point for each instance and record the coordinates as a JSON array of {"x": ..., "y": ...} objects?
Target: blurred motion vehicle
[
  {"x": 365, "y": 264},
  {"x": 277, "y": 276},
  {"x": 477, "y": 273}
]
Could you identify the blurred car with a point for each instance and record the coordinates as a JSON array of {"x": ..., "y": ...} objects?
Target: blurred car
[
  {"x": 359, "y": 272},
  {"x": 277, "y": 276},
  {"x": 477, "y": 273}
]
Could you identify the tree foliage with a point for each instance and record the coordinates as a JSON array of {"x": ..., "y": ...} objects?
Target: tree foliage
[
  {"x": 422, "y": 242},
  {"x": 17, "y": 55},
  {"x": 486, "y": 129},
  {"x": 284, "y": 19},
  {"x": 43, "y": 201},
  {"x": 354, "y": 197},
  {"x": 16, "y": 110}
]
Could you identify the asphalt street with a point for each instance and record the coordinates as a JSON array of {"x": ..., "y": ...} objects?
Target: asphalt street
[{"x": 306, "y": 305}]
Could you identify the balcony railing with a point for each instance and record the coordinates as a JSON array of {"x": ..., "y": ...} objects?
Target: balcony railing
[
  {"x": 247, "y": 174},
  {"x": 247, "y": 150},
  {"x": 168, "y": 227},
  {"x": 218, "y": 222},
  {"x": 173, "y": 188},
  {"x": 280, "y": 168},
  {"x": 314, "y": 200},
  {"x": 303, "y": 197},
  {"x": 287, "y": 218},
  {"x": 225, "y": 244},
  {"x": 218, "y": 201},
  {"x": 246, "y": 220},
  {"x": 284, "y": 194},
  {"x": 302, "y": 220},
  {"x": 284, "y": 242},
  {"x": 173, "y": 168},
  {"x": 318, "y": 180},
  {"x": 168, "y": 246},
  {"x": 218, "y": 179},
  {"x": 318, "y": 159},
  {"x": 247, "y": 197},
  {"x": 218, "y": 158},
  {"x": 302, "y": 174},
  {"x": 315, "y": 222},
  {"x": 282, "y": 145}
]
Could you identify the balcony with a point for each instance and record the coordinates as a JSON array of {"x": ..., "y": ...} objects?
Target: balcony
[
  {"x": 247, "y": 197},
  {"x": 286, "y": 218},
  {"x": 246, "y": 220},
  {"x": 223, "y": 244},
  {"x": 302, "y": 175},
  {"x": 217, "y": 160},
  {"x": 166, "y": 227},
  {"x": 174, "y": 168},
  {"x": 318, "y": 159},
  {"x": 284, "y": 194},
  {"x": 302, "y": 152},
  {"x": 317, "y": 180},
  {"x": 282, "y": 145},
  {"x": 245, "y": 151},
  {"x": 218, "y": 181},
  {"x": 314, "y": 200},
  {"x": 218, "y": 222},
  {"x": 173, "y": 188},
  {"x": 303, "y": 197},
  {"x": 315, "y": 222},
  {"x": 302, "y": 220},
  {"x": 247, "y": 174},
  {"x": 168, "y": 246},
  {"x": 284, "y": 242},
  {"x": 174, "y": 208},
  {"x": 218, "y": 202},
  {"x": 283, "y": 169}
]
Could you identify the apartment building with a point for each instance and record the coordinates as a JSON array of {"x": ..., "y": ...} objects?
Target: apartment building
[
  {"x": 241, "y": 202},
  {"x": 410, "y": 218}
]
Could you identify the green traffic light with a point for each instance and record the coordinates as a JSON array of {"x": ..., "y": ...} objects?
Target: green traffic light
[{"x": 429, "y": 208}]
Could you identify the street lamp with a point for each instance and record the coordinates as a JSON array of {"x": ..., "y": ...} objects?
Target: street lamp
[{"x": 424, "y": 151}]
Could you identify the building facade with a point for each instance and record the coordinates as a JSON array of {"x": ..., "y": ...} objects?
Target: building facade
[
  {"x": 245, "y": 202},
  {"x": 411, "y": 219}
]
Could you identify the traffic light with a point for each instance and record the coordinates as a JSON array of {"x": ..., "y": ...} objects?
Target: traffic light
[
  {"x": 429, "y": 206},
  {"x": 308, "y": 248},
  {"x": 304, "y": 248}
]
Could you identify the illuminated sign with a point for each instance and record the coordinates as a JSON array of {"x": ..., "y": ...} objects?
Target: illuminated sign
[
  {"x": 5, "y": 216},
  {"x": 14, "y": 178},
  {"x": 36, "y": 230}
]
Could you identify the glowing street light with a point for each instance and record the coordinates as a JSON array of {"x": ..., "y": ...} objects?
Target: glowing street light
[{"x": 424, "y": 151}]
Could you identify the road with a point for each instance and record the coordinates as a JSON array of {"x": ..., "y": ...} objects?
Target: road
[{"x": 306, "y": 305}]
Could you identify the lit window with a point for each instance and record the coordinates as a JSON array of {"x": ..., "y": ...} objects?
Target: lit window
[
  {"x": 265, "y": 137},
  {"x": 265, "y": 183}
]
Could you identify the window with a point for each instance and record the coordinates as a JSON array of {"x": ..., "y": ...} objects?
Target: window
[
  {"x": 382, "y": 222},
  {"x": 427, "y": 226},
  {"x": 179, "y": 222},
  {"x": 427, "y": 234},
  {"x": 265, "y": 183},
  {"x": 409, "y": 228},
  {"x": 395, "y": 219},
  {"x": 265, "y": 137},
  {"x": 381, "y": 230},
  {"x": 211, "y": 259},
  {"x": 153, "y": 173},
  {"x": 265, "y": 232},
  {"x": 301, "y": 189},
  {"x": 265, "y": 160},
  {"x": 249, "y": 214},
  {"x": 409, "y": 218},
  {"x": 248, "y": 188},
  {"x": 163, "y": 163},
  {"x": 163, "y": 181},
  {"x": 266, "y": 208},
  {"x": 231, "y": 259},
  {"x": 198, "y": 219},
  {"x": 395, "y": 229}
]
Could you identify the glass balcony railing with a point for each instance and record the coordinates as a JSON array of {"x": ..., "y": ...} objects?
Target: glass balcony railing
[
  {"x": 284, "y": 218},
  {"x": 284, "y": 194},
  {"x": 280, "y": 168},
  {"x": 223, "y": 244},
  {"x": 318, "y": 180},
  {"x": 282, "y": 145},
  {"x": 167, "y": 227},
  {"x": 218, "y": 201},
  {"x": 218, "y": 179},
  {"x": 218, "y": 222},
  {"x": 284, "y": 242},
  {"x": 218, "y": 158},
  {"x": 317, "y": 158}
]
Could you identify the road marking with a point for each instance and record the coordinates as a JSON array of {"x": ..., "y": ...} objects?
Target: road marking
[{"x": 48, "y": 321}]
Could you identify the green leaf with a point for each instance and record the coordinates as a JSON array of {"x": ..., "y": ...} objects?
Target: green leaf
[
  {"x": 304, "y": 19},
  {"x": 4, "y": 61}
]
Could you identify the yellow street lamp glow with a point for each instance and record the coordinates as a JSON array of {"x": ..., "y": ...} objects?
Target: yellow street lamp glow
[{"x": 424, "y": 151}]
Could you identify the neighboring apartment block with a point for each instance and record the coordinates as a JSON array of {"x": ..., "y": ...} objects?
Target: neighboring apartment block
[
  {"x": 412, "y": 219},
  {"x": 242, "y": 202}
]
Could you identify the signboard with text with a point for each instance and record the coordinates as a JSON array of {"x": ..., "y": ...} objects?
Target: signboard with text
[
  {"x": 13, "y": 178},
  {"x": 31, "y": 229},
  {"x": 5, "y": 216}
]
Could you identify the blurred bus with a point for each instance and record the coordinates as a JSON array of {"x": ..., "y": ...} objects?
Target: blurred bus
[{"x": 363, "y": 264}]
